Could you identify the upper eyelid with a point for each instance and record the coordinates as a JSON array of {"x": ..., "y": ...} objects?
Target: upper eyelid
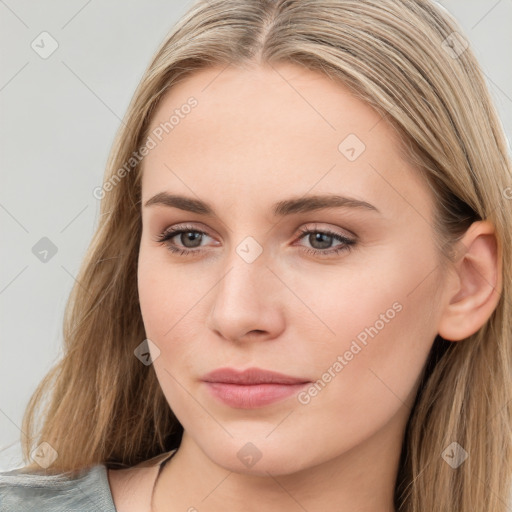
[{"x": 317, "y": 226}]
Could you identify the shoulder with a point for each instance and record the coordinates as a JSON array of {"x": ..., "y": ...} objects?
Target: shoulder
[
  {"x": 94, "y": 488},
  {"x": 30, "y": 492}
]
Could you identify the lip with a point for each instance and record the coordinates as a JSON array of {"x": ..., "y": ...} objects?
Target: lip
[
  {"x": 251, "y": 376},
  {"x": 251, "y": 388}
]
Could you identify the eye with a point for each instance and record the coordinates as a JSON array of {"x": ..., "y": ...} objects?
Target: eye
[
  {"x": 193, "y": 236},
  {"x": 191, "y": 239},
  {"x": 324, "y": 238}
]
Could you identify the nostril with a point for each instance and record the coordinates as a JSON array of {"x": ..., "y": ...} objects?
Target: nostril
[{"x": 254, "y": 333}]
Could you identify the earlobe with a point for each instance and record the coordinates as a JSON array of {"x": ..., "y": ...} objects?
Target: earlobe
[{"x": 477, "y": 284}]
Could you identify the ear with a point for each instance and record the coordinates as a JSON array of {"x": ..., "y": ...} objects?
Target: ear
[{"x": 477, "y": 283}]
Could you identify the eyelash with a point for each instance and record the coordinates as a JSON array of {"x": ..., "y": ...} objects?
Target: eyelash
[{"x": 165, "y": 237}]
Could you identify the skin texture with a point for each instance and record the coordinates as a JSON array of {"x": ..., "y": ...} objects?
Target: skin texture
[{"x": 257, "y": 136}]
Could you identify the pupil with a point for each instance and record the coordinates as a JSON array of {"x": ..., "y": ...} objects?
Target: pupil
[
  {"x": 190, "y": 236},
  {"x": 319, "y": 237}
]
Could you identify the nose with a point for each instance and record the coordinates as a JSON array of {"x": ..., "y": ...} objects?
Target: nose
[{"x": 247, "y": 304}]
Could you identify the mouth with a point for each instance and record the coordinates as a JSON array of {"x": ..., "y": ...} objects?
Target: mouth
[{"x": 251, "y": 388}]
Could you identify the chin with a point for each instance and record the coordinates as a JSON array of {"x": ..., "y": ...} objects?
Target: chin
[{"x": 258, "y": 458}]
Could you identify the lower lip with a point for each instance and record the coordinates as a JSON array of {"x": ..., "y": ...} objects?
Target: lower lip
[{"x": 254, "y": 395}]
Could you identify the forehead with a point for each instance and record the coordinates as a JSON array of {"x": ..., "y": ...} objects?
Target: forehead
[{"x": 273, "y": 132}]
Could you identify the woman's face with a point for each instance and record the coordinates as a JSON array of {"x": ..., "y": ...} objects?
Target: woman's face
[{"x": 267, "y": 282}]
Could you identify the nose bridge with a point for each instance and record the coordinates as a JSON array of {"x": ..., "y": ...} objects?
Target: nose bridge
[
  {"x": 245, "y": 273},
  {"x": 245, "y": 297}
]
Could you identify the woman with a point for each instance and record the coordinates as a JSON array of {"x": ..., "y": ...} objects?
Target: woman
[{"x": 298, "y": 295}]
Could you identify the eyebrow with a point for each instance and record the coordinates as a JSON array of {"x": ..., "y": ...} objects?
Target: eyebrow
[{"x": 280, "y": 209}]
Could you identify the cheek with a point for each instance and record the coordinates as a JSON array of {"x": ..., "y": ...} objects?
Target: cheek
[
  {"x": 165, "y": 298},
  {"x": 166, "y": 293},
  {"x": 383, "y": 325},
  {"x": 171, "y": 307}
]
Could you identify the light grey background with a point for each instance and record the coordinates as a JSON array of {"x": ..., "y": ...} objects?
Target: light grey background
[{"x": 58, "y": 120}]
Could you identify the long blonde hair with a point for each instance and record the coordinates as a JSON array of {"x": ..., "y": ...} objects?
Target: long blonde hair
[{"x": 408, "y": 60}]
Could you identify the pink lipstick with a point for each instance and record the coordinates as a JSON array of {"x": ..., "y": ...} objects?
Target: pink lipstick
[{"x": 251, "y": 388}]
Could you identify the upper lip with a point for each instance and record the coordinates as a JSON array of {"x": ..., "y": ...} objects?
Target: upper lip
[{"x": 250, "y": 376}]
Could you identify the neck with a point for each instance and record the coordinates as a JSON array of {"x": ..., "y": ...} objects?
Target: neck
[{"x": 361, "y": 479}]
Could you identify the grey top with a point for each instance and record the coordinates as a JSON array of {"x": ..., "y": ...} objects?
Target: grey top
[
  {"x": 32, "y": 492},
  {"x": 89, "y": 491}
]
